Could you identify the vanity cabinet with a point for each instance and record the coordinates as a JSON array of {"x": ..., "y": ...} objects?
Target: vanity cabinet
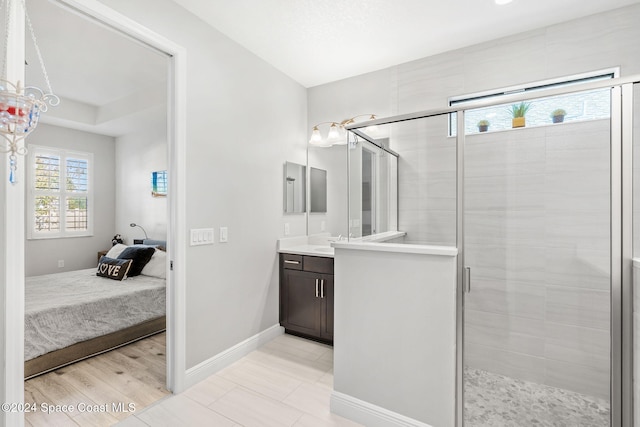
[{"x": 306, "y": 296}]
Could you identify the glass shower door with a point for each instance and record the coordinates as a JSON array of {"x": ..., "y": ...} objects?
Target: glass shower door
[{"x": 537, "y": 241}]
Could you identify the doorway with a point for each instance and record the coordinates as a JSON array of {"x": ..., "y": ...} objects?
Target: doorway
[{"x": 176, "y": 101}]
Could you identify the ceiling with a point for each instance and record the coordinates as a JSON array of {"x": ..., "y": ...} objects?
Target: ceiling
[
  {"x": 319, "y": 41},
  {"x": 108, "y": 83},
  {"x": 113, "y": 85}
]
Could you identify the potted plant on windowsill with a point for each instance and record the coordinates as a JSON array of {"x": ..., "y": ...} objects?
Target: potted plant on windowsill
[
  {"x": 518, "y": 111},
  {"x": 483, "y": 125},
  {"x": 558, "y": 115}
]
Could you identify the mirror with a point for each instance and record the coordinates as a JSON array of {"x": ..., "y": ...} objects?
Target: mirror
[
  {"x": 295, "y": 185},
  {"x": 328, "y": 203},
  {"x": 318, "y": 190}
]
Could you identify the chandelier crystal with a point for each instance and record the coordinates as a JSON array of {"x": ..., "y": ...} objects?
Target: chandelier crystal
[{"x": 20, "y": 107}]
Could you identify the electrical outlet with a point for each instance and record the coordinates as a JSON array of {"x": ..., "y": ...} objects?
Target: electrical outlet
[
  {"x": 287, "y": 230},
  {"x": 323, "y": 225},
  {"x": 60, "y": 263}
]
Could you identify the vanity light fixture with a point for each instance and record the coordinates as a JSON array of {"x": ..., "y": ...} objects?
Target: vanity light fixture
[
  {"x": 20, "y": 107},
  {"x": 337, "y": 133}
]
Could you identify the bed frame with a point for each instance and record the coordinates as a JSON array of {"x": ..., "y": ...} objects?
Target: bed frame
[{"x": 85, "y": 349}]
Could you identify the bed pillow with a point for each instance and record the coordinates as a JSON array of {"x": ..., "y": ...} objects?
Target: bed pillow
[
  {"x": 157, "y": 265},
  {"x": 140, "y": 255},
  {"x": 116, "y": 250},
  {"x": 115, "y": 269}
]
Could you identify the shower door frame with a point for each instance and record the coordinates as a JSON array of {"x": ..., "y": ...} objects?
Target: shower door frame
[
  {"x": 621, "y": 222},
  {"x": 621, "y": 241}
]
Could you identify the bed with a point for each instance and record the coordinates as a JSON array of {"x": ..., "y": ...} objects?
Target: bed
[{"x": 77, "y": 314}]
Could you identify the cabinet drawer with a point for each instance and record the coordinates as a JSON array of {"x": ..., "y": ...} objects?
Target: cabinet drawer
[
  {"x": 291, "y": 261},
  {"x": 318, "y": 264}
]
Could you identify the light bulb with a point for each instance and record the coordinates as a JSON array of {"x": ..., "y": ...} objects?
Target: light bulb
[
  {"x": 316, "y": 138},
  {"x": 333, "y": 136},
  {"x": 373, "y": 129}
]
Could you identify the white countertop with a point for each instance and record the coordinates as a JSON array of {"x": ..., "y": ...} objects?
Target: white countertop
[
  {"x": 306, "y": 245},
  {"x": 313, "y": 250},
  {"x": 322, "y": 244},
  {"x": 398, "y": 247}
]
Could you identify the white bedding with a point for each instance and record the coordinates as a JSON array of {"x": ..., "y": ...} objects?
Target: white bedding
[{"x": 64, "y": 308}]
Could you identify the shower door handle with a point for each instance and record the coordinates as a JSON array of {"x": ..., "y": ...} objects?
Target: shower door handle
[{"x": 467, "y": 279}]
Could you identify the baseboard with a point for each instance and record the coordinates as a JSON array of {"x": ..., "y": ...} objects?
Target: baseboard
[
  {"x": 368, "y": 414},
  {"x": 221, "y": 360}
]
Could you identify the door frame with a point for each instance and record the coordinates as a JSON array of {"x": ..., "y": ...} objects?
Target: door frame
[{"x": 176, "y": 269}]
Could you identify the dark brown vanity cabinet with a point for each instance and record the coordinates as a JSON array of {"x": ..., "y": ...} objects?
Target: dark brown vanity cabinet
[{"x": 306, "y": 296}]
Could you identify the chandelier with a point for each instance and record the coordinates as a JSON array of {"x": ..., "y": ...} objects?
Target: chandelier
[
  {"x": 337, "y": 132},
  {"x": 20, "y": 107}
]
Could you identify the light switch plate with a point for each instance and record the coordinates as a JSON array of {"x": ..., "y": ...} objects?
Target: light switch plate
[
  {"x": 224, "y": 234},
  {"x": 201, "y": 236}
]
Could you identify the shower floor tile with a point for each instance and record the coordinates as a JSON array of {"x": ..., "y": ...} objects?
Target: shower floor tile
[{"x": 493, "y": 400}]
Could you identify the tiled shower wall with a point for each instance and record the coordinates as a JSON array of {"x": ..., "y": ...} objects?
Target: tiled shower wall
[{"x": 537, "y": 241}]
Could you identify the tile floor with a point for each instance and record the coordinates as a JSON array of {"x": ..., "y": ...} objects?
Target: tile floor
[
  {"x": 286, "y": 382},
  {"x": 493, "y": 400}
]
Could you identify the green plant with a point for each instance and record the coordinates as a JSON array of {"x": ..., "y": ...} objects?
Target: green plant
[
  {"x": 519, "y": 110},
  {"x": 483, "y": 123},
  {"x": 558, "y": 112}
]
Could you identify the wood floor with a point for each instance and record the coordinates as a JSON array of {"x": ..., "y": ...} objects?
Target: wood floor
[{"x": 102, "y": 390}]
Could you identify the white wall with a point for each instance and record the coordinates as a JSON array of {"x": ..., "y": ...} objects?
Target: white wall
[
  {"x": 42, "y": 255},
  {"x": 245, "y": 119},
  {"x": 137, "y": 155},
  {"x": 395, "y": 334}
]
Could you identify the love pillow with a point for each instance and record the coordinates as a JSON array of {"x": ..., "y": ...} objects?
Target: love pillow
[{"x": 115, "y": 269}]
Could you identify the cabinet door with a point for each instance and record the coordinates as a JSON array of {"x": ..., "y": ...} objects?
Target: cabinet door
[
  {"x": 300, "y": 307},
  {"x": 326, "y": 317}
]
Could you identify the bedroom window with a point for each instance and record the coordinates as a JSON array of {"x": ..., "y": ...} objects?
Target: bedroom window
[{"x": 60, "y": 193}]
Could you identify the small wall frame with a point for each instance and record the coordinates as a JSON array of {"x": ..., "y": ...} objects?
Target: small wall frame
[{"x": 159, "y": 184}]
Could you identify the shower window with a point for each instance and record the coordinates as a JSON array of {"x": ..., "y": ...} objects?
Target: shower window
[{"x": 590, "y": 105}]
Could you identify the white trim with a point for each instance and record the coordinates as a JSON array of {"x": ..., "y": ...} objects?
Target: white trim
[
  {"x": 14, "y": 243},
  {"x": 461, "y": 100},
  {"x": 221, "y": 360},
  {"x": 369, "y": 414}
]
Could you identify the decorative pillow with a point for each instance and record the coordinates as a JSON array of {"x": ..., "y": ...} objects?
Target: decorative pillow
[
  {"x": 157, "y": 266},
  {"x": 115, "y": 269},
  {"x": 140, "y": 255},
  {"x": 116, "y": 250}
]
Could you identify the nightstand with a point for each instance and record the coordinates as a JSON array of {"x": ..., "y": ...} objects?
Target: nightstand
[{"x": 101, "y": 254}]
